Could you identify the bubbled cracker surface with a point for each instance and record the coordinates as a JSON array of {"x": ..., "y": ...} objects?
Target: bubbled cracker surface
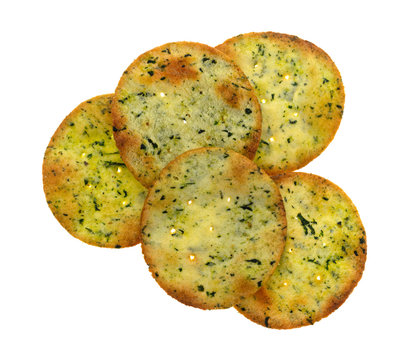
[
  {"x": 213, "y": 228},
  {"x": 87, "y": 186},
  {"x": 178, "y": 97},
  {"x": 300, "y": 92},
  {"x": 323, "y": 259}
]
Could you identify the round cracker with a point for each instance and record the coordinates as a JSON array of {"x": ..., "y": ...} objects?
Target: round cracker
[
  {"x": 323, "y": 259},
  {"x": 178, "y": 97},
  {"x": 87, "y": 186},
  {"x": 213, "y": 228},
  {"x": 301, "y": 94}
]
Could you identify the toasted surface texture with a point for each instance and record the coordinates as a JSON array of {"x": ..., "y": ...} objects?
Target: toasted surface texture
[
  {"x": 178, "y": 97},
  {"x": 87, "y": 186},
  {"x": 213, "y": 228},
  {"x": 323, "y": 259},
  {"x": 301, "y": 95}
]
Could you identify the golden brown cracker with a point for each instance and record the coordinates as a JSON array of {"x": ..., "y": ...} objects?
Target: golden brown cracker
[
  {"x": 178, "y": 97},
  {"x": 300, "y": 92},
  {"x": 213, "y": 228},
  {"x": 87, "y": 185},
  {"x": 323, "y": 259}
]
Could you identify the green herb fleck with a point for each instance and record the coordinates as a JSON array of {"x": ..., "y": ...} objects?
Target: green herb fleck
[
  {"x": 306, "y": 224},
  {"x": 254, "y": 261},
  {"x": 266, "y": 321},
  {"x": 113, "y": 163},
  {"x": 96, "y": 206},
  {"x": 247, "y": 206}
]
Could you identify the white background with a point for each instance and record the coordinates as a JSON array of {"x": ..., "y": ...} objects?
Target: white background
[{"x": 63, "y": 299}]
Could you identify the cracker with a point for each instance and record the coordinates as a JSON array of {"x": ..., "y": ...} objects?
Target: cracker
[
  {"x": 301, "y": 95},
  {"x": 87, "y": 186},
  {"x": 323, "y": 259},
  {"x": 213, "y": 228},
  {"x": 178, "y": 97}
]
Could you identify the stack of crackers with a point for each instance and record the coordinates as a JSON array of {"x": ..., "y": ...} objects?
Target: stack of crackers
[{"x": 193, "y": 156}]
